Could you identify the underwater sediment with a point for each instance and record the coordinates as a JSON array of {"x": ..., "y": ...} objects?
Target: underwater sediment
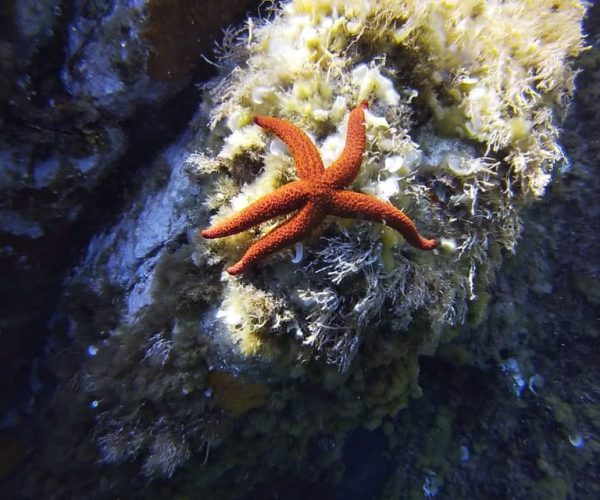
[{"x": 222, "y": 383}]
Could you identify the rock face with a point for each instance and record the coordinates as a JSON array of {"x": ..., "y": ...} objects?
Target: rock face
[
  {"x": 82, "y": 115},
  {"x": 160, "y": 366},
  {"x": 77, "y": 88}
]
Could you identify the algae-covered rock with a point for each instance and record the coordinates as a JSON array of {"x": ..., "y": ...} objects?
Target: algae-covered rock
[
  {"x": 189, "y": 371},
  {"x": 234, "y": 395},
  {"x": 457, "y": 136}
]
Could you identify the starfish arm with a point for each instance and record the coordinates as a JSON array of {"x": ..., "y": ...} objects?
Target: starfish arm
[
  {"x": 306, "y": 156},
  {"x": 343, "y": 171},
  {"x": 353, "y": 204},
  {"x": 282, "y": 236},
  {"x": 284, "y": 200}
]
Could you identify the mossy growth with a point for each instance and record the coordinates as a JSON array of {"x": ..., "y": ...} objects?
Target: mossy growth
[
  {"x": 235, "y": 395},
  {"x": 552, "y": 488},
  {"x": 563, "y": 413},
  {"x": 425, "y": 69},
  {"x": 439, "y": 451}
]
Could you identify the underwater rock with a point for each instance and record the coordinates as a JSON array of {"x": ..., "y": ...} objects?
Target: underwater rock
[
  {"x": 459, "y": 137},
  {"x": 124, "y": 53},
  {"x": 75, "y": 94},
  {"x": 235, "y": 395},
  {"x": 12, "y": 454}
]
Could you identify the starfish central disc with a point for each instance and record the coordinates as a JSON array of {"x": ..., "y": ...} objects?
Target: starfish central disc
[{"x": 318, "y": 192}]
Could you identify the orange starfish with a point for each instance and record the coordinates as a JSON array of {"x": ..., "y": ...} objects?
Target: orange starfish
[{"x": 319, "y": 191}]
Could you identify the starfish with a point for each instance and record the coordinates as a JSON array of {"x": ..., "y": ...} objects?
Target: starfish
[{"x": 319, "y": 191}]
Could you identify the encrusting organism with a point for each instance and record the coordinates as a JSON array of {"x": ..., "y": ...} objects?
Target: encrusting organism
[{"x": 319, "y": 191}]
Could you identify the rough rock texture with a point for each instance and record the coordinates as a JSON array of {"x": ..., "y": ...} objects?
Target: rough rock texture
[
  {"x": 81, "y": 117},
  {"x": 516, "y": 394},
  {"x": 82, "y": 113}
]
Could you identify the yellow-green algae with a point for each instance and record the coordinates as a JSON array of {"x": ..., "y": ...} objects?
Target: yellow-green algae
[{"x": 492, "y": 77}]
